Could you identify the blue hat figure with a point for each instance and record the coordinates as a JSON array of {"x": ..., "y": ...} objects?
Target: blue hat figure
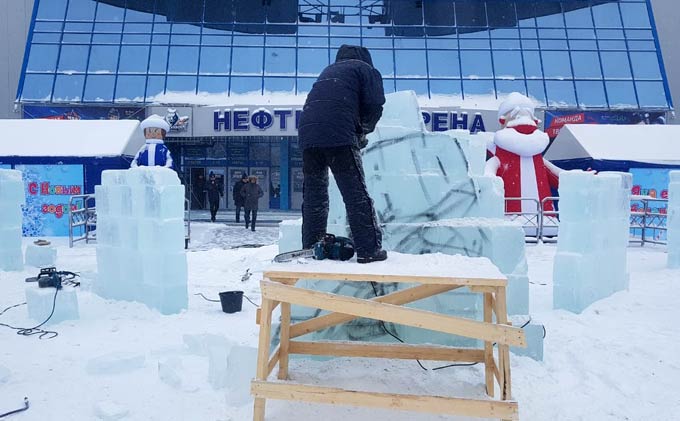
[{"x": 154, "y": 152}]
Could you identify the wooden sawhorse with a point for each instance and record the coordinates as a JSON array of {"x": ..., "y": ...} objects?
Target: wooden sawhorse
[{"x": 278, "y": 289}]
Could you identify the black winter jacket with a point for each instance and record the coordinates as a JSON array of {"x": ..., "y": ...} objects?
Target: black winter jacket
[
  {"x": 251, "y": 194},
  {"x": 214, "y": 191},
  {"x": 236, "y": 193},
  {"x": 344, "y": 103}
]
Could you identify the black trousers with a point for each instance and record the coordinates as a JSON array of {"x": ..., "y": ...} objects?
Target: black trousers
[
  {"x": 238, "y": 212},
  {"x": 214, "y": 206},
  {"x": 345, "y": 164},
  {"x": 250, "y": 220}
]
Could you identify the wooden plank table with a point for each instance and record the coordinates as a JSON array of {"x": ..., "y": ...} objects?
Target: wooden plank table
[{"x": 433, "y": 274}]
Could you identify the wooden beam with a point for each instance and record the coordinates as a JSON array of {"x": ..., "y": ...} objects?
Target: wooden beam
[
  {"x": 428, "y": 404},
  {"x": 284, "y": 341},
  {"x": 258, "y": 312},
  {"x": 488, "y": 347},
  {"x": 501, "y": 334},
  {"x": 503, "y": 349},
  {"x": 273, "y": 360},
  {"x": 263, "y": 355},
  {"x": 397, "y": 351},
  {"x": 361, "y": 277},
  {"x": 399, "y": 297}
]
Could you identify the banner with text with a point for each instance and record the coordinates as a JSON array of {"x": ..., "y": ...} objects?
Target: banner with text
[{"x": 556, "y": 119}]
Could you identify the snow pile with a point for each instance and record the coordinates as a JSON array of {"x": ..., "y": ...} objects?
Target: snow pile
[
  {"x": 673, "y": 223},
  {"x": 11, "y": 199}
]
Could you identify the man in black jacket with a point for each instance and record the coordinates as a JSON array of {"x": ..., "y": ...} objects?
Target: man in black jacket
[
  {"x": 343, "y": 106},
  {"x": 236, "y": 194}
]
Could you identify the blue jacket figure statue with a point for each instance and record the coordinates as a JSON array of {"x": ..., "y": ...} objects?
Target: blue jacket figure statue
[
  {"x": 154, "y": 152},
  {"x": 343, "y": 106}
]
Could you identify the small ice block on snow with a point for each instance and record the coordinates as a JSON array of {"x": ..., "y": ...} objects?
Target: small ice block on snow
[
  {"x": 40, "y": 256},
  {"x": 41, "y": 301}
]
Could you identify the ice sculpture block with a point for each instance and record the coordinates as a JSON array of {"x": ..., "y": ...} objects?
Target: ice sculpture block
[
  {"x": 594, "y": 226},
  {"x": 673, "y": 222},
  {"x": 11, "y": 199},
  {"x": 140, "y": 238},
  {"x": 430, "y": 195}
]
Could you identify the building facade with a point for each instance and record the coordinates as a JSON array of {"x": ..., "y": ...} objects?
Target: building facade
[{"x": 232, "y": 75}]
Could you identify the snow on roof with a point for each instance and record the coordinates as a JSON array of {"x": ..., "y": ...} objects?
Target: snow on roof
[
  {"x": 641, "y": 143},
  {"x": 435, "y": 264},
  {"x": 90, "y": 138}
]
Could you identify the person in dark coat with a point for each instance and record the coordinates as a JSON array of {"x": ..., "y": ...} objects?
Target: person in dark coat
[
  {"x": 236, "y": 194},
  {"x": 251, "y": 194},
  {"x": 214, "y": 194},
  {"x": 343, "y": 106}
]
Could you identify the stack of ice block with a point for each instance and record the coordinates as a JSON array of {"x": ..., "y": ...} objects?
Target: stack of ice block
[
  {"x": 593, "y": 238},
  {"x": 673, "y": 222},
  {"x": 11, "y": 199},
  {"x": 140, "y": 238},
  {"x": 431, "y": 195}
]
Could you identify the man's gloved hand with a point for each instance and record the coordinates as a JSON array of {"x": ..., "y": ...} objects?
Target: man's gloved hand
[{"x": 362, "y": 141}]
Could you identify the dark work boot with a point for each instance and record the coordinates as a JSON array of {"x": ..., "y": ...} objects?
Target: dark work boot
[{"x": 378, "y": 256}]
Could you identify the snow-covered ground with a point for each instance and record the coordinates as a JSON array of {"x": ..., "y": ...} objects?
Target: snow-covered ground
[{"x": 616, "y": 361}]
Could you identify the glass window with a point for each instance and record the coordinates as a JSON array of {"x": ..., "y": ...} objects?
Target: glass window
[
  {"x": 311, "y": 61},
  {"x": 560, "y": 93},
  {"x": 621, "y": 94},
  {"x": 635, "y": 15},
  {"x": 645, "y": 65},
  {"x": 155, "y": 85},
  {"x": 106, "y": 38},
  {"x": 478, "y": 87},
  {"x": 68, "y": 88},
  {"x": 551, "y": 20},
  {"x": 383, "y": 60},
  {"x": 612, "y": 45},
  {"x": 185, "y": 39},
  {"x": 554, "y": 44},
  {"x": 580, "y": 17},
  {"x": 247, "y": 61},
  {"x": 215, "y": 60},
  {"x": 249, "y": 40},
  {"x": 615, "y": 65},
  {"x": 409, "y": 43},
  {"x": 109, "y": 13},
  {"x": 181, "y": 84},
  {"x": 137, "y": 39},
  {"x": 304, "y": 84},
  {"x": 410, "y": 63},
  {"x": 607, "y": 15},
  {"x": 586, "y": 64},
  {"x": 532, "y": 64},
  {"x": 501, "y": 14},
  {"x": 213, "y": 85},
  {"x": 445, "y": 87},
  {"x": 651, "y": 94},
  {"x": 642, "y": 45},
  {"x": 78, "y": 27},
  {"x": 476, "y": 64},
  {"x": 315, "y": 42},
  {"x": 443, "y": 63},
  {"x": 243, "y": 85},
  {"x": 508, "y": 64},
  {"x": 507, "y": 86},
  {"x": 160, "y": 39},
  {"x": 639, "y": 34},
  {"x": 556, "y": 65},
  {"x": 52, "y": 9},
  {"x": 103, "y": 58},
  {"x": 76, "y": 38},
  {"x": 583, "y": 45},
  {"x": 80, "y": 9},
  {"x": 183, "y": 60},
  {"x": 471, "y": 13},
  {"x": 130, "y": 88},
  {"x": 591, "y": 94},
  {"x": 279, "y": 84},
  {"x": 41, "y": 37},
  {"x": 158, "y": 61},
  {"x": 274, "y": 41},
  {"x": 37, "y": 87},
  {"x": 505, "y": 44},
  {"x": 419, "y": 86},
  {"x": 218, "y": 40},
  {"x": 108, "y": 27},
  {"x": 73, "y": 58},
  {"x": 133, "y": 59},
  {"x": 48, "y": 26},
  {"x": 536, "y": 91},
  {"x": 581, "y": 34},
  {"x": 42, "y": 58},
  {"x": 99, "y": 88},
  {"x": 132, "y": 15},
  {"x": 279, "y": 61},
  {"x": 388, "y": 85}
]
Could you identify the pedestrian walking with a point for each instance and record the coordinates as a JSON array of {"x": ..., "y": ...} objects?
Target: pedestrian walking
[
  {"x": 236, "y": 193},
  {"x": 214, "y": 194},
  {"x": 251, "y": 193}
]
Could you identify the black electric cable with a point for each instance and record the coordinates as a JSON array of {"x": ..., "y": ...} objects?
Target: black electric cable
[
  {"x": 218, "y": 301},
  {"x": 16, "y": 411},
  {"x": 11, "y": 307},
  {"x": 43, "y": 334}
]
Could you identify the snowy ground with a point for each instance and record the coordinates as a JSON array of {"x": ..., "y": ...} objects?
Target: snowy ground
[{"x": 616, "y": 361}]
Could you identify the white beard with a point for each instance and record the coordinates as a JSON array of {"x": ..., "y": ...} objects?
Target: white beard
[{"x": 524, "y": 145}]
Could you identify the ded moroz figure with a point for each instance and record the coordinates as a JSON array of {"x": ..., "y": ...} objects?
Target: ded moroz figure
[
  {"x": 342, "y": 107},
  {"x": 154, "y": 152}
]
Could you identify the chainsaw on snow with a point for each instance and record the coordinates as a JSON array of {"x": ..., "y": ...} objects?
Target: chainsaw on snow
[{"x": 330, "y": 247}]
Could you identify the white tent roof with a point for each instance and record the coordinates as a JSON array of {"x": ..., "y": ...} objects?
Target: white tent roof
[
  {"x": 658, "y": 144},
  {"x": 86, "y": 138}
]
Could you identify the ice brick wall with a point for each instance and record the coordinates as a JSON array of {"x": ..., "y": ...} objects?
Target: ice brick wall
[
  {"x": 673, "y": 223},
  {"x": 590, "y": 263},
  {"x": 140, "y": 238},
  {"x": 11, "y": 199}
]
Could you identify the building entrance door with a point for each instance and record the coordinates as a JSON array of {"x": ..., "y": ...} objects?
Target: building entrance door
[
  {"x": 197, "y": 188},
  {"x": 221, "y": 180}
]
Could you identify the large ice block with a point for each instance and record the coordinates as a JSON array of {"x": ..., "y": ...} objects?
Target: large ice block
[
  {"x": 11, "y": 199},
  {"x": 673, "y": 221},
  {"x": 594, "y": 226},
  {"x": 41, "y": 301},
  {"x": 140, "y": 238},
  {"x": 430, "y": 195},
  {"x": 41, "y": 256}
]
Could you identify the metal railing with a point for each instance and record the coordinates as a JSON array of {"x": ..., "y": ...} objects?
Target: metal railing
[
  {"x": 187, "y": 223},
  {"x": 530, "y": 219},
  {"x": 650, "y": 221},
  {"x": 82, "y": 219},
  {"x": 550, "y": 220}
]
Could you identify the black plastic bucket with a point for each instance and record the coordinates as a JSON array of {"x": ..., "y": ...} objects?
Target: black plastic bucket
[{"x": 232, "y": 301}]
